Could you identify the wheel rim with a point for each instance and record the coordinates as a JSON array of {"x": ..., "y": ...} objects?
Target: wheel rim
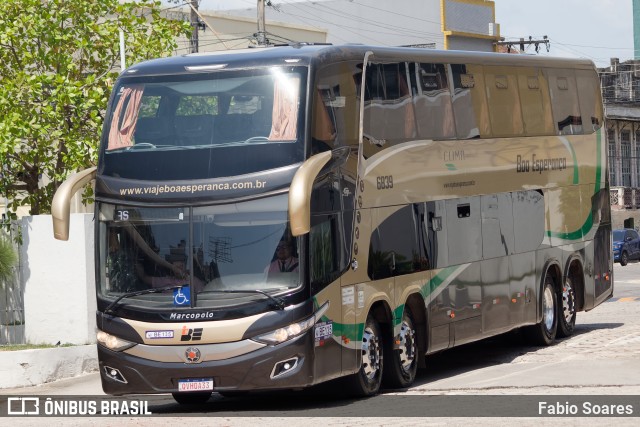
[
  {"x": 547, "y": 308},
  {"x": 568, "y": 301},
  {"x": 371, "y": 353},
  {"x": 407, "y": 345}
]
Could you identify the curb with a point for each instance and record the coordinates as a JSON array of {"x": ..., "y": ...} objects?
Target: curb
[{"x": 26, "y": 368}]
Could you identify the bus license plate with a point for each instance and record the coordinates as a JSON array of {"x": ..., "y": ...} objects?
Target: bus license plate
[{"x": 200, "y": 384}]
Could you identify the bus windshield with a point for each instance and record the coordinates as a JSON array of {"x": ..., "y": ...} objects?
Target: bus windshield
[
  {"x": 201, "y": 120},
  {"x": 210, "y": 250}
]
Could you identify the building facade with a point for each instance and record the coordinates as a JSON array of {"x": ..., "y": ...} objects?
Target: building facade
[
  {"x": 218, "y": 31},
  {"x": 621, "y": 96},
  {"x": 436, "y": 24}
]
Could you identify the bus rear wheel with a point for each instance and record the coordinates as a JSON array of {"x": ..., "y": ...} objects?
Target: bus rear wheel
[
  {"x": 191, "y": 398},
  {"x": 366, "y": 382},
  {"x": 544, "y": 333},
  {"x": 567, "y": 309},
  {"x": 402, "y": 355}
]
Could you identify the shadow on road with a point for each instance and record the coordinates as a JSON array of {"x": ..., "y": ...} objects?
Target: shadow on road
[{"x": 330, "y": 397}]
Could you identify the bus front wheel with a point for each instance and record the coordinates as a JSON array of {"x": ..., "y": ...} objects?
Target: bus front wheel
[
  {"x": 544, "y": 333},
  {"x": 366, "y": 382},
  {"x": 402, "y": 355}
]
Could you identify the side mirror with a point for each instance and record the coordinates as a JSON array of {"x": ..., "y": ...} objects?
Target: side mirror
[
  {"x": 300, "y": 193},
  {"x": 62, "y": 199}
]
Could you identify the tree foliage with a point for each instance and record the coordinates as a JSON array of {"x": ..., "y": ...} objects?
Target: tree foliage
[
  {"x": 59, "y": 60},
  {"x": 8, "y": 260}
]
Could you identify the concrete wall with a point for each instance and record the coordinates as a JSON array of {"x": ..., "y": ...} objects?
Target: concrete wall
[
  {"x": 618, "y": 217},
  {"x": 58, "y": 281},
  {"x": 33, "y": 367}
]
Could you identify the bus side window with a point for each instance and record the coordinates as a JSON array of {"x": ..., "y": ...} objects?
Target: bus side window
[
  {"x": 389, "y": 116},
  {"x": 395, "y": 247},
  {"x": 469, "y": 102},
  {"x": 504, "y": 109},
  {"x": 324, "y": 120},
  {"x": 590, "y": 102},
  {"x": 432, "y": 101},
  {"x": 327, "y": 250},
  {"x": 534, "y": 97},
  {"x": 566, "y": 109}
]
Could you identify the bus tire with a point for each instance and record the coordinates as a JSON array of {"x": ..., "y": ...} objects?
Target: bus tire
[
  {"x": 401, "y": 355},
  {"x": 544, "y": 333},
  {"x": 567, "y": 309},
  {"x": 366, "y": 382},
  {"x": 191, "y": 398}
]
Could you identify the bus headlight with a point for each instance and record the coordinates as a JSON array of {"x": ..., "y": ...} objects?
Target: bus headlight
[
  {"x": 293, "y": 330},
  {"x": 112, "y": 342},
  {"x": 284, "y": 334}
]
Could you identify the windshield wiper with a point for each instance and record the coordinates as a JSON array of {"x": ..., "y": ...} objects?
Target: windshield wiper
[
  {"x": 110, "y": 307},
  {"x": 277, "y": 302}
]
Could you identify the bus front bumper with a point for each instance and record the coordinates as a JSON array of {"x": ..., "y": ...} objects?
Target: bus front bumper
[{"x": 285, "y": 366}]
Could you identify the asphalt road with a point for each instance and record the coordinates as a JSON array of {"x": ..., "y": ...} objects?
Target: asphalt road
[{"x": 602, "y": 358}]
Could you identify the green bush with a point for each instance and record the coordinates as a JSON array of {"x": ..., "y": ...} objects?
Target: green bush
[{"x": 8, "y": 259}]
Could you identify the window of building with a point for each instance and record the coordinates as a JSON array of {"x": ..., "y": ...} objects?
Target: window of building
[
  {"x": 637, "y": 156},
  {"x": 625, "y": 157},
  {"x": 611, "y": 141}
]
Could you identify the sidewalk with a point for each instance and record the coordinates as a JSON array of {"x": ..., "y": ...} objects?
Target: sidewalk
[{"x": 26, "y": 368}]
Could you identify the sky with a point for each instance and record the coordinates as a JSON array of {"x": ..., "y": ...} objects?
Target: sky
[{"x": 592, "y": 29}]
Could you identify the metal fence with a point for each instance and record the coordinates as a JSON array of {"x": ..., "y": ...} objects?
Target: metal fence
[{"x": 12, "y": 317}]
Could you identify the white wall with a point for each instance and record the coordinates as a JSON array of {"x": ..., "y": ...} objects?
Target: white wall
[
  {"x": 468, "y": 43},
  {"x": 374, "y": 22},
  {"x": 58, "y": 281},
  {"x": 38, "y": 366}
]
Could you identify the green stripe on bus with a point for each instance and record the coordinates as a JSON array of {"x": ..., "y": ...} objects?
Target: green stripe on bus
[
  {"x": 397, "y": 315},
  {"x": 588, "y": 224},
  {"x": 355, "y": 332}
]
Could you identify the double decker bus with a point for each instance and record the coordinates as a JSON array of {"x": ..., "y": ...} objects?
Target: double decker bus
[{"x": 276, "y": 218}]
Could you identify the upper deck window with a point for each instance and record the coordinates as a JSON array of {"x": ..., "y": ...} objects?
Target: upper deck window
[{"x": 234, "y": 113}]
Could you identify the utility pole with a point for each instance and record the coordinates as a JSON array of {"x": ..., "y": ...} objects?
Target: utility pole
[
  {"x": 261, "y": 35},
  {"x": 193, "y": 18},
  {"x": 521, "y": 44}
]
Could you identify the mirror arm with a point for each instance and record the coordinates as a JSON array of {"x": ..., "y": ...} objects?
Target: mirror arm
[
  {"x": 300, "y": 192},
  {"x": 60, "y": 207}
]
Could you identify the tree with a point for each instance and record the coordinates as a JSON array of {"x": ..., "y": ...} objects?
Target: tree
[
  {"x": 8, "y": 260},
  {"x": 59, "y": 60}
]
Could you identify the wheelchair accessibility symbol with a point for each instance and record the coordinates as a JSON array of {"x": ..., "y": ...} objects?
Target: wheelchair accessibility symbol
[{"x": 181, "y": 296}]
